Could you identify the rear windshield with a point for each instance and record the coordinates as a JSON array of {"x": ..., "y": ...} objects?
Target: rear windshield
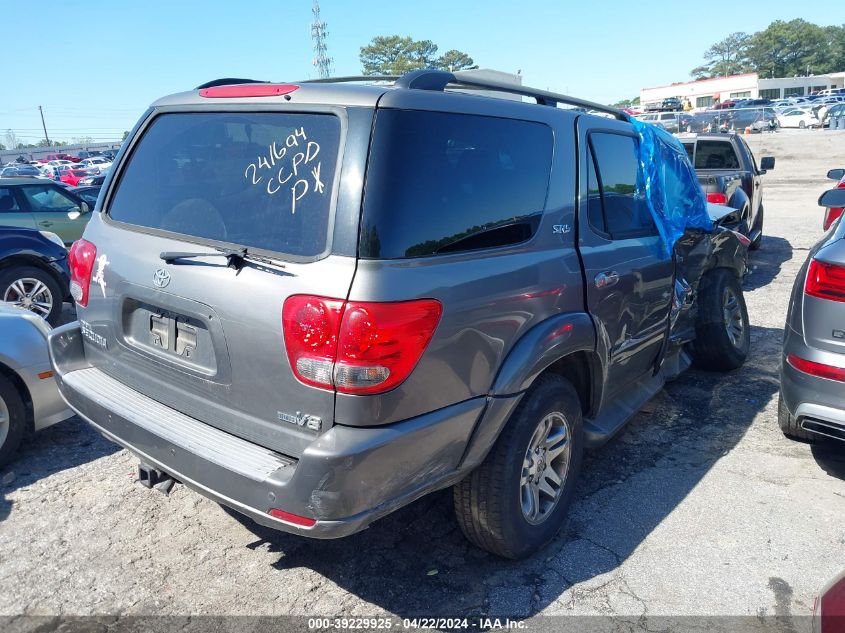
[
  {"x": 445, "y": 183},
  {"x": 715, "y": 155},
  {"x": 261, "y": 180}
]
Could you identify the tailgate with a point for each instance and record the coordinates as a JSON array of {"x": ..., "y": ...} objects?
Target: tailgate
[{"x": 196, "y": 334}]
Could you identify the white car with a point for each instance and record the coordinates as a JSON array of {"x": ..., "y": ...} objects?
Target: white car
[
  {"x": 95, "y": 163},
  {"x": 795, "y": 117}
]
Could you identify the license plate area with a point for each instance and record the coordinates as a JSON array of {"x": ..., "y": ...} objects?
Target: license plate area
[{"x": 181, "y": 339}]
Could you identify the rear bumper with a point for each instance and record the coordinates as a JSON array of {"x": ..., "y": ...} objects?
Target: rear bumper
[
  {"x": 346, "y": 478},
  {"x": 818, "y": 404}
]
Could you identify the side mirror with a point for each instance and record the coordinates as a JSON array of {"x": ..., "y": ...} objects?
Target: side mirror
[
  {"x": 85, "y": 207},
  {"x": 832, "y": 198},
  {"x": 767, "y": 163},
  {"x": 836, "y": 174},
  {"x": 73, "y": 214}
]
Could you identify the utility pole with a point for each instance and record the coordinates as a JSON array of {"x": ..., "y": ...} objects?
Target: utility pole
[
  {"x": 44, "y": 125},
  {"x": 319, "y": 33}
]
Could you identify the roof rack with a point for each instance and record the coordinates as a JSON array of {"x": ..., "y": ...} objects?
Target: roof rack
[{"x": 439, "y": 80}]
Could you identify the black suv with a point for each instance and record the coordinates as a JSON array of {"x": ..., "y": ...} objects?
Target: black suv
[{"x": 317, "y": 302}]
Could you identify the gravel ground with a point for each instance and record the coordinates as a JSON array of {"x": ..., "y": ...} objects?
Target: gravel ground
[{"x": 700, "y": 506}]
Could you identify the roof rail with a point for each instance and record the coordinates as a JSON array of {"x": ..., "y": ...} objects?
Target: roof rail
[
  {"x": 439, "y": 80},
  {"x": 226, "y": 81}
]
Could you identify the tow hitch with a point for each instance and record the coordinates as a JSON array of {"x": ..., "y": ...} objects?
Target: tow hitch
[{"x": 150, "y": 477}]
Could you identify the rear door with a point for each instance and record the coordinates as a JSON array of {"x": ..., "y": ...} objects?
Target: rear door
[
  {"x": 628, "y": 274},
  {"x": 50, "y": 205},
  {"x": 204, "y": 334},
  {"x": 12, "y": 210}
]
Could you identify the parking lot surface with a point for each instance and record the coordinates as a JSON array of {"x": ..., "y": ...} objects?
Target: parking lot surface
[{"x": 700, "y": 507}]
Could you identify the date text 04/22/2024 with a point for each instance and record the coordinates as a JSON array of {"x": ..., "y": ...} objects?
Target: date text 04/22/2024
[{"x": 387, "y": 623}]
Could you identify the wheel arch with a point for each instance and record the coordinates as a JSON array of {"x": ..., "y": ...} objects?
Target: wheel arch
[{"x": 12, "y": 376}]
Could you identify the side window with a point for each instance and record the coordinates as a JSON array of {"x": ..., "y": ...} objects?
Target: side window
[
  {"x": 595, "y": 213},
  {"x": 626, "y": 212},
  {"x": 690, "y": 147},
  {"x": 444, "y": 183},
  {"x": 48, "y": 199},
  {"x": 7, "y": 201}
]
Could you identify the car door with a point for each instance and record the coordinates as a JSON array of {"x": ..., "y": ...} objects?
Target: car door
[
  {"x": 628, "y": 274},
  {"x": 12, "y": 211},
  {"x": 50, "y": 205}
]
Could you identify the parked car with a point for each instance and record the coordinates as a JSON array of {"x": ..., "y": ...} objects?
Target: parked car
[
  {"x": 834, "y": 117},
  {"x": 88, "y": 154},
  {"x": 89, "y": 194},
  {"x": 811, "y": 404},
  {"x": 22, "y": 171},
  {"x": 29, "y": 398},
  {"x": 669, "y": 121},
  {"x": 72, "y": 175},
  {"x": 34, "y": 271},
  {"x": 33, "y": 204},
  {"x": 464, "y": 350},
  {"x": 832, "y": 214},
  {"x": 794, "y": 117},
  {"x": 94, "y": 179},
  {"x": 724, "y": 105},
  {"x": 95, "y": 164},
  {"x": 729, "y": 175},
  {"x": 669, "y": 104}
]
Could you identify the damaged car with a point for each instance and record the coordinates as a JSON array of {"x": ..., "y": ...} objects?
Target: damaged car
[{"x": 315, "y": 303}]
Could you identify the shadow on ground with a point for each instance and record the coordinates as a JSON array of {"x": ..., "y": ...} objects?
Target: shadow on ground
[
  {"x": 62, "y": 446},
  {"x": 765, "y": 263},
  {"x": 416, "y": 561},
  {"x": 830, "y": 457}
]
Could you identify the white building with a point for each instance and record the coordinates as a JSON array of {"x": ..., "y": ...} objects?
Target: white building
[{"x": 703, "y": 93}]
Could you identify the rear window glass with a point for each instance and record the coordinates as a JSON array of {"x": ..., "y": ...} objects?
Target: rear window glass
[
  {"x": 261, "y": 180},
  {"x": 445, "y": 183},
  {"x": 715, "y": 155}
]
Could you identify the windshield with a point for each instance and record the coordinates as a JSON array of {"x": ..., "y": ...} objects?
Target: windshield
[{"x": 262, "y": 180}]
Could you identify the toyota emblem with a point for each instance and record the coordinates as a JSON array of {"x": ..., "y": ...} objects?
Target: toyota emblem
[{"x": 161, "y": 278}]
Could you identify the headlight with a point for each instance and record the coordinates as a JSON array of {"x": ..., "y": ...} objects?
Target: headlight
[{"x": 53, "y": 238}]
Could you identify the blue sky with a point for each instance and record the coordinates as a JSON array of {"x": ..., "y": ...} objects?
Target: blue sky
[{"x": 109, "y": 60}]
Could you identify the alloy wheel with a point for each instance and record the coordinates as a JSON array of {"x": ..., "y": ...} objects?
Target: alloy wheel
[
  {"x": 30, "y": 294},
  {"x": 545, "y": 468},
  {"x": 732, "y": 314}
]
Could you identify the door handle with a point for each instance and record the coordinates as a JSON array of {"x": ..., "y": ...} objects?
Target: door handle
[
  {"x": 607, "y": 279},
  {"x": 45, "y": 223}
]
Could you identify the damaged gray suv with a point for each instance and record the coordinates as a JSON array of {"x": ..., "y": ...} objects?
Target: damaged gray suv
[{"x": 315, "y": 303}]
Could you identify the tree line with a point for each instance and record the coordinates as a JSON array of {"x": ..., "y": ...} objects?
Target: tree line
[
  {"x": 782, "y": 49},
  {"x": 396, "y": 55}
]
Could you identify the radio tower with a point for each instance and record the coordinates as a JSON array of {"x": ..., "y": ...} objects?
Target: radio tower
[{"x": 321, "y": 61}]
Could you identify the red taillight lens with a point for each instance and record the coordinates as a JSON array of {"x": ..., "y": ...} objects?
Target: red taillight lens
[
  {"x": 829, "y": 609},
  {"x": 248, "y": 90},
  {"x": 292, "y": 518},
  {"x": 717, "y": 198},
  {"x": 81, "y": 263},
  {"x": 825, "y": 281},
  {"x": 816, "y": 369},
  {"x": 356, "y": 347}
]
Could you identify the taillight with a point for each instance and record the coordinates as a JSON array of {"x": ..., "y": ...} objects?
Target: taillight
[
  {"x": 816, "y": 369},
  {"x": 356, "y": 347},
  {"x": 81, "y": 263},
  {"x": 717, "y": 198},
  {"x": 248, "y": 90},
  {"x": 825, "y": 281}
]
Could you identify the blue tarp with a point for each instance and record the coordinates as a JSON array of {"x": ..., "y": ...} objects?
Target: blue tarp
[{"x": 670, "y": 185}]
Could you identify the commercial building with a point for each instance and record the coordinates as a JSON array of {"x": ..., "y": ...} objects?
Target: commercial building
[{"x": 705, "y": 92}]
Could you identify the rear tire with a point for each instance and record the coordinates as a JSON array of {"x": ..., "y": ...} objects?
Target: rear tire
[
  {"x": 789, "y": 425},
  {"x": 495, "y": 505},
  {"x": 757, "y": 242},
  {"x": 12, "y": 420},
  {"x": 44, "y": 288},
  {"x": 722, "y": 331}
]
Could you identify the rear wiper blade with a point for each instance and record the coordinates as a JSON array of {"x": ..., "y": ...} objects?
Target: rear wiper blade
[{"x": 234, "y": 258}]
